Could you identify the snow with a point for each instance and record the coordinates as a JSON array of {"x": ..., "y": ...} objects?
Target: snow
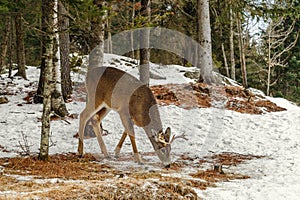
[{"x": 211, "y": 130}]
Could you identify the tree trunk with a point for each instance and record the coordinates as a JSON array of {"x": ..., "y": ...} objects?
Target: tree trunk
[
  {"x": 204, "y": 39},
  {"x": 225, "y": 60},
  {"x": 5, "y": 43},
  {"x": 269, "y": 60},
  {"x": 132, "y": 26},
  {"x": 224, "y": 55},
  {"x": 232, "y": 60},
  {"x": 57, "y": 102},
  {"x": 64, "y": 43},
  {"x": 109, "y": 39},
  {"x": 96, "y": 42},
  {"x": 20, "y": 46},
  {"x": 47, "y": 57},
  {"x": 38, "y": 98},
  {"x": 11, "y": 47},
  {"x": 242, "y": 54},
  {"x": 144, "y": 68}
]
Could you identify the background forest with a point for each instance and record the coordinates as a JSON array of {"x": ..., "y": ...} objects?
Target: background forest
[{"x": 258, "y": 36}]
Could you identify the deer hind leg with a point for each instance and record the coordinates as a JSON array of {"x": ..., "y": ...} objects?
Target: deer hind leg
[
  {"x": 129, "y": 130},
  {"x": 96, "y": 123},
  {"x": 119, "y": 146}
]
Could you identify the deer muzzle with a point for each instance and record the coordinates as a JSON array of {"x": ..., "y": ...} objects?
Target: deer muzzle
[{"x": 164, "y": 155}]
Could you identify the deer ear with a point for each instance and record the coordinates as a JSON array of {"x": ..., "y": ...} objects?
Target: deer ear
[{"x": 168, "y": 134}]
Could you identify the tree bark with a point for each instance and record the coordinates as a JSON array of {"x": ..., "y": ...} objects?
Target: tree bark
[
  {"x": 11, "y": 47},
  {"x": 38, "y": 98},
  {"x": 47, "y": 57},
  {"x": 204, "y": 39},
  {"x": 224, "y": 54},
  {"x": 57, "y": 102},
  {"x": 132, "y": 26},
  {"x": 64, "y": 43},
  {"x": 108, "y": 26},
  {"x": 232, "y": 60},
  {"x": 96, "y": 42},
  {"x": 242, "y": 53},
  {"x": 20, "y": 46},
  {"x": 144, "y": 67},
  {"x": 4, "y": 45}
]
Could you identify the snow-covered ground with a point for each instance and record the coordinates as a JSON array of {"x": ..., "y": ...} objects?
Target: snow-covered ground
[{"x": 212, "y": 130}]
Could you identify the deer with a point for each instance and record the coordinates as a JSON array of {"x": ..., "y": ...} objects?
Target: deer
[{"x": 109, "y": 88}]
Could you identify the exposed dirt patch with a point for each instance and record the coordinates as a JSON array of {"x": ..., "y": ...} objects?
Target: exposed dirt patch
[
  {"x": 212, "y": 176},
  {"x": 69, "y": 177},
  {"x": 201, "y": 95},
  {"x": 230, "y": 159}
]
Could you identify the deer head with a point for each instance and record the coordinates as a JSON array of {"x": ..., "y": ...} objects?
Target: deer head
[{"x": 165, "y": 139}]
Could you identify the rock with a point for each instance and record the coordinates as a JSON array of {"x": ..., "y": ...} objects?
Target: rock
[{"x": 3, "y": 100}]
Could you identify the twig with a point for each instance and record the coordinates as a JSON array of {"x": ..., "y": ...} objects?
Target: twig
[
  {"x": 62, "y": 118},
  {"x": 25, "y": 146}
]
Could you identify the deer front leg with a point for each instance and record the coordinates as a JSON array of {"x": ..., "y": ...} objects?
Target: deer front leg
[
  {"x": 82, "y": 122},
  {"x": 80, "y": 147},
  {"x": 136, "y": 154},
  {"x": 129, "y": 130},
  {"x": 96, "y": 123}
]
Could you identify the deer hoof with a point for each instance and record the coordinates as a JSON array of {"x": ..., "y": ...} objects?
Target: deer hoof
[
  {"x": 138, "y": 159},
  {"x": 117, "y": 152}
]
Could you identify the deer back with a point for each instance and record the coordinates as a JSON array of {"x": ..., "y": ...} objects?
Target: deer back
[{"x": 125, "y": 94}]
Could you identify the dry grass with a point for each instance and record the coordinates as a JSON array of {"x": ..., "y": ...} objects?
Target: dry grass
[
  {"x": 69, "y": 177},
  {"x": 67, "y": 166}
]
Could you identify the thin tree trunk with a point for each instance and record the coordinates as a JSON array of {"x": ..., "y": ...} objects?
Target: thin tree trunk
[
  {"x": 96, "y": 42},
  {"x": 11, "y": 47},
  {"x": 38, "y": 98},
  {"x": 64, "y": 42},
  {"x": 225, "y": 59},
  {"x": 224, "y": 55},
  {"x": 204, "y": 39},
  {"x": 47, "y": 55},
  {"x": 269, "y": 61},
  {"x": 20, "y": 46},
  {"x": 144, "y": 68},
  {"x": 109, "y": 39},
  {"x": 131, "y": 33},
  {"x": 5, "y": 43},
  {"x": 232, "y": 60},
  {"x": 242, "y": 53}
]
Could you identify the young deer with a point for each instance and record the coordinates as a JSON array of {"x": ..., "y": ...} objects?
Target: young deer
[{"x": 112, "y": 89}]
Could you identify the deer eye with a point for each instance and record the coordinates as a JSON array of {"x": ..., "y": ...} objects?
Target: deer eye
[{"x": 163, "y": 150}]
